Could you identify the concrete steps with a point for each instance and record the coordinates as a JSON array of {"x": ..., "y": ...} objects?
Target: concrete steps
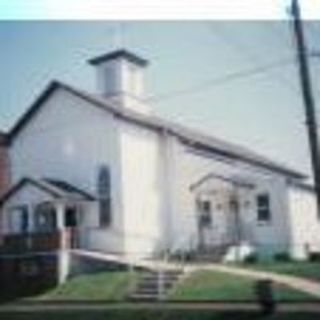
[{"x": 152, "y": 285}]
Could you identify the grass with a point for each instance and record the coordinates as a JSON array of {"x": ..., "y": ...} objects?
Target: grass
[
  {"x": 155, "y": 315},
  {"x": 309, "y": 270},
  {"x": 201, "y": 285},
  {"x": 218, "y": 286},
  {"x": 112, "y": 286}
]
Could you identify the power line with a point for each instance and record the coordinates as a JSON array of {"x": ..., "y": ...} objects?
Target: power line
[
  {"x": 282, "y": 34},
  {"x": 227, "y": 78},
  {"x": 239, "y": 48},
  {"x": 312, "y": 30}
]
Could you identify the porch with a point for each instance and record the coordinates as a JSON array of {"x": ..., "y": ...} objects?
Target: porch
[
  {"x": 225, "y": 207},
  {"x": 42, "y": 216}
]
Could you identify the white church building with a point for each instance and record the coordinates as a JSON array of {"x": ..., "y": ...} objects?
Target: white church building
[{"x": 127, "y": 182}]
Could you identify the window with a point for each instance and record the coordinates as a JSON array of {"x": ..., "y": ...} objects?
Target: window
[
  {"x": 204, "y": 210},
  {"x": 24, "y": 219},
  {"x": 45, "y": 217},
  {"x": 19, "y": 220},
  {"x": 263, "y": 207},
  {"x": 104, "y": 194}
]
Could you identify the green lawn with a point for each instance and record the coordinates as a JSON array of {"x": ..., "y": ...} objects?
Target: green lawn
[
  {"x": 218, "y": 286},
  {"x": 202, "y": 285},
  {"x": 112, "y": 285},
  {"x": 310, "y": 270}
]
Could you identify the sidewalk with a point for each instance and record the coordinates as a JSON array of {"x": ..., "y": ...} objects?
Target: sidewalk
[
  {"x": 108, "y": 306},
  {"x": 304, "y": 285}
]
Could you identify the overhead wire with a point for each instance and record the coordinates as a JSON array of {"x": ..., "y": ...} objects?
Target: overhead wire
[
  {"x": 246, "y": 53},
  {"x": 221, "y": 80}
]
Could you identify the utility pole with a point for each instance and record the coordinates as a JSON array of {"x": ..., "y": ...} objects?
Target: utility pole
[{"x": 306, "y": 88}]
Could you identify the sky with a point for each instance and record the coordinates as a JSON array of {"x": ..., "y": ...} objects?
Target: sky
[
  {"x": 150, "y": 9},
  {"x": 186, "y": 80}
]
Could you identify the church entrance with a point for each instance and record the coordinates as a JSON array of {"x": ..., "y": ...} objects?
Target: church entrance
[{"x": 72, "y": 218}]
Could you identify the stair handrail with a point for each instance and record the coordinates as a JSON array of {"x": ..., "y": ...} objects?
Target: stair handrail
[{"x": 184, "y": 244}]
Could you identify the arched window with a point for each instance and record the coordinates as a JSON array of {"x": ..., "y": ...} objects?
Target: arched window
[{"x": 104, "y": 195}]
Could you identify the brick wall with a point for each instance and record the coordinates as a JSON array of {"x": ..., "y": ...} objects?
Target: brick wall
[{"x": 4, "y": 165}]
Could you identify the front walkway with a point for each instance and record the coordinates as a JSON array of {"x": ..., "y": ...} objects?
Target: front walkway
[{"x": 304, "y": 285}]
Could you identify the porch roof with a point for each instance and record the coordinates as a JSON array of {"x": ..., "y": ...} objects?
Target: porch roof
[
  {"x": 234, "y": 180},
  {"x": 58, "y": 189}
]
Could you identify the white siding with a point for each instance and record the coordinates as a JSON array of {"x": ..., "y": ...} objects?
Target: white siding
[
  {"x": 141, "y": 163},
  {"x": 151, "y": 174},
  {"x": 305, "y": 224},
  {"x": 269, "y": 237},
  {"x": 123, "y": 83},
  {"x": 69, "y": 139}
]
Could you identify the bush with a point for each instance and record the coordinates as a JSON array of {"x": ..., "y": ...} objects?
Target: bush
[
  {"x": 183, "y": 255},
  {"x": 282, "y": 257},
  {"x": 251, "y": 258},
  {"x": 314, "y": 257},
  {"x": 190, "y": 256}
]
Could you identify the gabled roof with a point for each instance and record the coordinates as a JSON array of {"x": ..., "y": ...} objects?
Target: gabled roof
[
  {"x": 117, "y": 55},
  {"x": 66, "y": 189},
  {"x": 56, "y": 188},
  {"x": 193, "y": 138},
  {"x": 239, "y": 182}
]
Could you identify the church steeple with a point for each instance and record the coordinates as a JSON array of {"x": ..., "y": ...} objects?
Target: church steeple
[{"x": 120, "y": 77}]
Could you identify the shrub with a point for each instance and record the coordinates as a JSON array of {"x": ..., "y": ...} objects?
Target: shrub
[
  {"x": 282, "y": 257},
  {"x": 314, "y": 257},
  {"x": 190, "y": 256},
  {"x": 251, "y": 258},
  {"x": 183, "y": 255}
]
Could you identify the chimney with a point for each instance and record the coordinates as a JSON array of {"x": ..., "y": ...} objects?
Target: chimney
[{"x": 120, "y": 79}]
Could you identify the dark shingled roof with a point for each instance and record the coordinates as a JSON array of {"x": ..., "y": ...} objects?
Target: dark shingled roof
[
  {"x": 193, "y": 138},
  {"x": 68, "y": 188},
  {"x": 119, "y": 54},
  {"x": 56, "y": 188}
]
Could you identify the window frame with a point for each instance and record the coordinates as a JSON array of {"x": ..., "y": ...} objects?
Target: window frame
[
  {"x": 264, "y": 208},
  {"x": 204, "y": 212},
  {"x": 51, "y": 224},
  {"x": 104, "y": 186},
  {"x": 23, "y": 212}
]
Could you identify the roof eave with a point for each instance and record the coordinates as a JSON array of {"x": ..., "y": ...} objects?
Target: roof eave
[
  {"x": 119, "y": 54},
  {"x": 53, "y": 85}
]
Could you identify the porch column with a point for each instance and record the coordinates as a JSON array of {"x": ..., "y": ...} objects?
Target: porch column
[
  {"x": 63, "y": 254},
  {"x": 31, "y": 217},
  {"x": 60, "y": 216}
]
